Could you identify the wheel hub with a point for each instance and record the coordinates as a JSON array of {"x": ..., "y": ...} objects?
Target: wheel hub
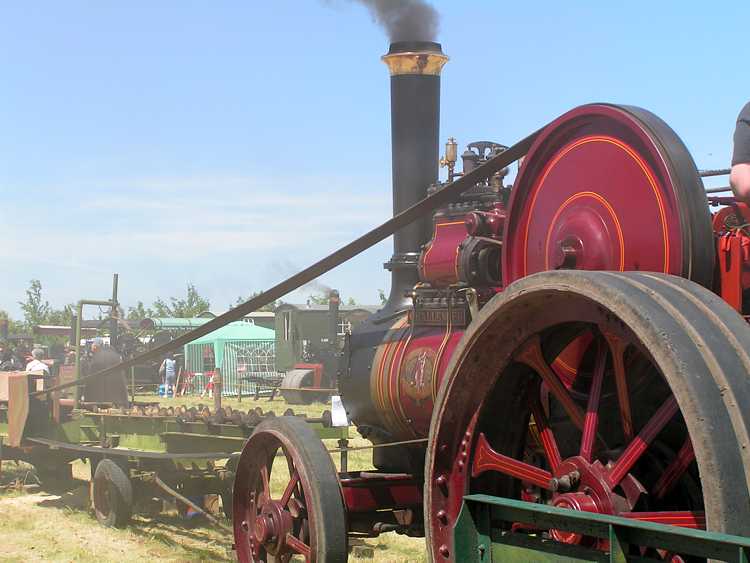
[
  {"x": 272, "y": 525},
  {"x": 582, "y": 486}
]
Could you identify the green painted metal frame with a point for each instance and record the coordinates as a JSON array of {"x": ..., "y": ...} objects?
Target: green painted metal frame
[
  {"x": 162, "y": 434},
  {"x": 477, "y": 537}
]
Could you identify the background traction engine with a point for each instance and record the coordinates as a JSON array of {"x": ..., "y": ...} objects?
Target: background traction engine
[{"x": 568, "y": 342}]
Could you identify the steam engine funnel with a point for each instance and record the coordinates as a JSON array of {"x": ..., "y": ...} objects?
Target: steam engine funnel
[{"x": 415, "y": 68}]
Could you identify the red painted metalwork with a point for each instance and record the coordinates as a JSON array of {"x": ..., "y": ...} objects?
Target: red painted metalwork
[
  {"x": 317, "y": 373},
  {"x": 640, "y": 444},
  {"x": 406, "y": 374},
  {"x": 546, "y": 435},
  {"x": 438, "y": 264},
  {"x": 675, "y": 470},
  {"x": 566, "y": 211},
  {"x": 532, "y": 356},
  {"x": 733, "y": 252},
  {"x": 617, "y": 345},
  {"x": 369, "y": 493},
  {"x": 487, "y": 459},
  {"x": 592, "y": 409},
  {"x": 682, "y": 518}
]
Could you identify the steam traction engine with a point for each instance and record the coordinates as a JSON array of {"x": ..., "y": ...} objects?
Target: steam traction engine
[{"x": 572, "y": 348}]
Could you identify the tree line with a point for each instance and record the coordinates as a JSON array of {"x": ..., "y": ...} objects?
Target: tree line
[{"x": 37, "y": 310}]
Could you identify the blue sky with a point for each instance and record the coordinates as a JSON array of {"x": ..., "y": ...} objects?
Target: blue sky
[{"x": 226, "y": 143}]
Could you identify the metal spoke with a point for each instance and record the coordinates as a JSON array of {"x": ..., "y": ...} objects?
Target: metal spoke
[
  {"x": 546, "y": 435},
  {"x": 298, "y": 545},
  {"x": 591, "y": 421},
  {"x": 681, "y": 518},
  {"x": 290, "y": 465},
  {"x": 674, "y": 470},
  {"x": 531, "y": 355},
  {"x": 641, "y": 442},
  {"x": 264, "y": 478},
  {"x": 487, "y": 459},
  {"x": 617, "y": 346},
  {"x": 290, "y": 486}
]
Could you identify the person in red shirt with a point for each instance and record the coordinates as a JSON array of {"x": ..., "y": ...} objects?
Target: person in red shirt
[{"x": 739, "y": 178}]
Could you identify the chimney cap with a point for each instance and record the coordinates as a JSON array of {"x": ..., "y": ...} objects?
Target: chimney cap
[
  {"x": 415, "y": 58},
  {"x": 415, "y": 47}
]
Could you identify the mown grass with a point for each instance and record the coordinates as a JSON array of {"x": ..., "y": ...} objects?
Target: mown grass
[{"x": 41, "y": 526}]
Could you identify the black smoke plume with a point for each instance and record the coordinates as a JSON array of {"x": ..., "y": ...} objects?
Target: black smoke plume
[{"x": 405, "y": 20}]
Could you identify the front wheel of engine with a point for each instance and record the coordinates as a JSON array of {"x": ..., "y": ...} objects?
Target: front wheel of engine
[
  {"x": 650, "y": 422},
  {"x": 287, "y": 502}
]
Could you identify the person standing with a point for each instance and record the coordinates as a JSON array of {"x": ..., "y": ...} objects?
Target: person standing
[
  {"x": 112, "y": 388},
  {"x": 169, "y": 368},
  {"x": 739, "y": 177}
]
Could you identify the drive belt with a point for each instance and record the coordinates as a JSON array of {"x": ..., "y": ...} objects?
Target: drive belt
[{"x": 445, "y": 195}]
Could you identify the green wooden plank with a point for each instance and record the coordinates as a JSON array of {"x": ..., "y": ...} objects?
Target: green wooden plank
[{"x": 183, "y": 442}]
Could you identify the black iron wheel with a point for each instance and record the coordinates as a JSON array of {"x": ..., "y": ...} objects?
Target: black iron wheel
[
  {"x": 111, "y": 494},
  {"x": 287, "y": 501},
  {"x": 651, "y": 422}
]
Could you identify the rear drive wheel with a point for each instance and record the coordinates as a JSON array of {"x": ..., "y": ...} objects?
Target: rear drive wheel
[{"x": 652, "y": 422}]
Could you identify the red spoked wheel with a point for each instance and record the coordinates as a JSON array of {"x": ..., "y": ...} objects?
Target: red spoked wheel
[
  {"x": 287, "y": 503},
  {"x": 652, "y": 425},
  {"x": 608, "y": 187}
]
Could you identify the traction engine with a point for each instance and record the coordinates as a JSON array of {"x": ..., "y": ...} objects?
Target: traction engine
[{"x": 574, "y": 341}]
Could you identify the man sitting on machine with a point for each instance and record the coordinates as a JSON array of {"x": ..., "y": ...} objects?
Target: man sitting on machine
[
  {"x": 36, "y": 364},
  {"x": 740, "y": 176}
]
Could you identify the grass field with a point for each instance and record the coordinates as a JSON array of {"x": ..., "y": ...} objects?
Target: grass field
[{"x": 45, "y": 526}]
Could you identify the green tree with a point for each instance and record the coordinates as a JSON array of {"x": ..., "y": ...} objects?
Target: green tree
[
  {"x": 14, "y": 327},
  {"x": 62, "y": 317},
  {"x": 317, "y": 299},
  {"x": 321, "y": 299},
  {"x": 35, "y": 309},
  {"x": 272, "y": 306},
  {"x": 140, "y": 311},
  {"x": 190, "y": 306}
]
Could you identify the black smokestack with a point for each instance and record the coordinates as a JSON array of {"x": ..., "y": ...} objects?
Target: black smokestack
[
  {"x": 334, "y": 300},
  {"x": 405, "y": 20},
  {"x": 415, "y": 126}
]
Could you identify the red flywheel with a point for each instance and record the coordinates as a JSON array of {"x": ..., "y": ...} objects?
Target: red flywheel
[{"x": 608, "y": 187}]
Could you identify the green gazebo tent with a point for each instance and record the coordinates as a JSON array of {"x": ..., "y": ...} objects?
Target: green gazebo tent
[{"x": 241, "y": 350}]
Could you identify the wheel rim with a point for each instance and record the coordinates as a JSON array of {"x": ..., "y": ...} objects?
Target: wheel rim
[
  {"x": 591, "y": 450},
  {"x": 102, "y": 496},
  {"x": 608, "y": 188},
  {"x": 271, "y": 516}
]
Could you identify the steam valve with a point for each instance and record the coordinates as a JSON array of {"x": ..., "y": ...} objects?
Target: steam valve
[{"x": 450, "y": 158}]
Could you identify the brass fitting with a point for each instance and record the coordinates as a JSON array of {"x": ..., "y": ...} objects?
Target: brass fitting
[{"x": 413, "y": 62}]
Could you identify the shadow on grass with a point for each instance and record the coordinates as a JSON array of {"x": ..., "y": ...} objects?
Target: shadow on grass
[
  {"x": 190, "y": 535},
  {"x": 70, "y": 496},
  {"x": 176, "y": 531}
]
